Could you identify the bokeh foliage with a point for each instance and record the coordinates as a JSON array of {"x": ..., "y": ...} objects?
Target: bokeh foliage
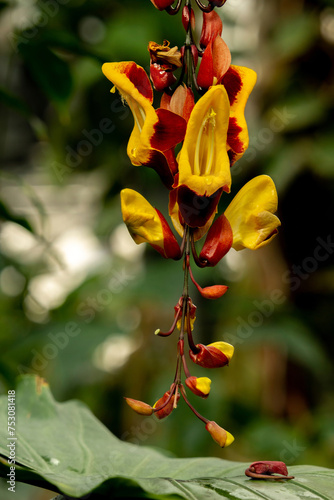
[{"x": 80, "y": 303}]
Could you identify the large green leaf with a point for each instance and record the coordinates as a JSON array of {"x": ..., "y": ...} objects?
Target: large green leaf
[{"x": 63, "y": 447}]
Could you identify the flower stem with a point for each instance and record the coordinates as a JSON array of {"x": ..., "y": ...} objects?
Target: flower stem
[{"x": 198, "y": 415}]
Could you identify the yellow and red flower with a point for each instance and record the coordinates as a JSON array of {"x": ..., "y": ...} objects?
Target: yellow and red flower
[
  {"x": 214, "y": 355},
  {"x": 204, "y": 167},
  {"x": 251, "y": 214},
  {"x": 199, "y": 385},
  {"x": 146, "y": 224},
  {"x": 155, "y": 131}
]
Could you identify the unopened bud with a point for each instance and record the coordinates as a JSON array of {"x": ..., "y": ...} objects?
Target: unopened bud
[
  {"x": 139, "y": 406},
  {"x": 214, "y": 355},
  {"x": 161, "y": 78},
  {"x": 186, "y": 18},
  {"x": 214, "y": 291},
  {"x": 168, "y": 408},
  {"x": 212, "y": 27},
  {"x": 222, "y": 437},
  {"x": 199, "y": 386}
]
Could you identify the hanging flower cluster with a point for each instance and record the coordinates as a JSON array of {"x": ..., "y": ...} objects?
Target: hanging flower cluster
[{"x": 213, "y": 136}]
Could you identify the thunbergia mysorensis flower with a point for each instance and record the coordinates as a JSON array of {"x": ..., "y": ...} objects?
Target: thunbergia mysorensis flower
[{"x": 192, "y": 141}]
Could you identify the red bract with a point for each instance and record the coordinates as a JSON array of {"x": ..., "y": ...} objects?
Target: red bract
[
  {"x": 181, "y": 102},
  {"x": 217, "y": 243},
  {"x": 215, "y": 62}
]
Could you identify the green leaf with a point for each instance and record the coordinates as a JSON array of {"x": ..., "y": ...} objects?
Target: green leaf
[
  {"x": 50, "y": 71},
  {"x": 63, "y": 447}
]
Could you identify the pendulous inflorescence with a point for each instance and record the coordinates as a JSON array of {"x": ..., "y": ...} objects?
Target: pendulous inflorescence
[{"x": 201, "y": 109}]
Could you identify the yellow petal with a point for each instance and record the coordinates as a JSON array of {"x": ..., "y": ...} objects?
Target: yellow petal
[
  {"x": 203, "y": 384},
  {"x": 134, "y": 86},
  {"x": 204, "y": 165},
  {"x": 251, "y": 214},
  {"x": 225, "y": 348},
  {"x": 238, "y": 139},
  {"x": 142, "y": 220},
  {"x": 229, "y": 439}
]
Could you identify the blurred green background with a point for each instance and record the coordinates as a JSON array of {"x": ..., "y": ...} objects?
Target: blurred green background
[{"x": 80, "y": 301}]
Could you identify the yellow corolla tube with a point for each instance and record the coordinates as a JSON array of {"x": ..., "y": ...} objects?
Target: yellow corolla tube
[
  {"x": 204, "y": 165},
  {"x": 251, "y": 214},
  {"x": 147, "y": 225}
]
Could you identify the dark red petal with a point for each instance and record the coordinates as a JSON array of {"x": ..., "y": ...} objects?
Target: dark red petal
[
  {"x": 233, "y": 84},
  {"x": 172, "y": 248},
  {"x": 233, "y": 136},
  {"x": 140, "y": 80},
  {"x": 159, "y": 163},
  {"x": 168, "y": 131},
  {"x": 196, "y": 210},
  {"x": 269, "y": 467}
]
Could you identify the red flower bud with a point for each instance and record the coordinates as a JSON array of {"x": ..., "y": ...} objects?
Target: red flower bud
[
  {"x": 218, "y": 242},
  {"x": 186, "y": 18},
  {"x": 212, "y": 27},
  {"x": 213, "y": 292},
  {"x": 214, "y": 355},
  {"x": 139, "y": 406},
  {"x": 168, "y": 408},
  {"x": 161, "y": 78},
  {"x": 199, "y": 386},
  {"x": 162, "y": 4}
]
